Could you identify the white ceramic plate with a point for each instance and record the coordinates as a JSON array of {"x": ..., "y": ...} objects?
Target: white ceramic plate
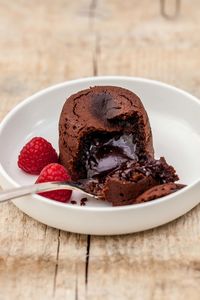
[{"x": 174, "y": 117}]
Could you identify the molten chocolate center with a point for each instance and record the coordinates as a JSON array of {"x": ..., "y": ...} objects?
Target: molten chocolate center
[{"x": 104, "y": 156}]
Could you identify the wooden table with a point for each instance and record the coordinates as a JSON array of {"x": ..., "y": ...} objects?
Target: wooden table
[{"x": 46, "y": 42}]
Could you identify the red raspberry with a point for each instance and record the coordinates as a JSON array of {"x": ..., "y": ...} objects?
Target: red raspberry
[
  {"x": 55, "y": 172},
  {"x": 35, "y": 155}
]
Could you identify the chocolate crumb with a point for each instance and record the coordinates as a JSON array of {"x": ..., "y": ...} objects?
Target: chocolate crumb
[
  {"x": 73, "y": 202},
  {"x": 83, "y": 201}
]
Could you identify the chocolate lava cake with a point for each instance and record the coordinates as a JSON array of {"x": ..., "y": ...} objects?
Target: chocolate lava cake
[{"x": 106, "y": 144}]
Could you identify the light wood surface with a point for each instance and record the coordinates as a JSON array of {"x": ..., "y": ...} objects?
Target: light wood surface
[{"x": 46, "y": 42}]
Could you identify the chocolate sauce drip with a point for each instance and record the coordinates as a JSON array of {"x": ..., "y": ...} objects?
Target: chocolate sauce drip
[{"x": 105, "y": 156}]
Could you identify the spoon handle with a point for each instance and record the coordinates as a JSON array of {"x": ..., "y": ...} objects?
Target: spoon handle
[{"x": 38, "y": 188}]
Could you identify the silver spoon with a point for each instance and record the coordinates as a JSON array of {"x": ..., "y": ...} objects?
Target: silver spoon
[{"x": 41, "y": 187}]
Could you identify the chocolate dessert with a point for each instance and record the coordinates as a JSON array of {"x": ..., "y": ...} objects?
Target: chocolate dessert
[
  {"x": 105, "y": 143},
  {"x": 159, "y": 191}
]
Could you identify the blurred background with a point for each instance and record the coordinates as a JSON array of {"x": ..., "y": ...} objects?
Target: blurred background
[{"x": 46, "y": 42}]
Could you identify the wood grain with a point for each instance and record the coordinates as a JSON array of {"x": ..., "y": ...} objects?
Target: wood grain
[{"x": 46, "y": 42}]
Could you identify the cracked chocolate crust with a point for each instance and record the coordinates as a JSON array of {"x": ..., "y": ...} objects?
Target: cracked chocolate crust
[{"x": 103, "y": 110}]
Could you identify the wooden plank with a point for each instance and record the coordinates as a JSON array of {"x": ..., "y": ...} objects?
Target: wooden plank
[
  {"x": 149, "y": 45},
  {"x": 69, "y": 281},
  {"x": 39, "y": 48},
  {"x": 27, "y": 249},
  {"x": 157, "y": 264},
  {"x": 162, "y": 263}
]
